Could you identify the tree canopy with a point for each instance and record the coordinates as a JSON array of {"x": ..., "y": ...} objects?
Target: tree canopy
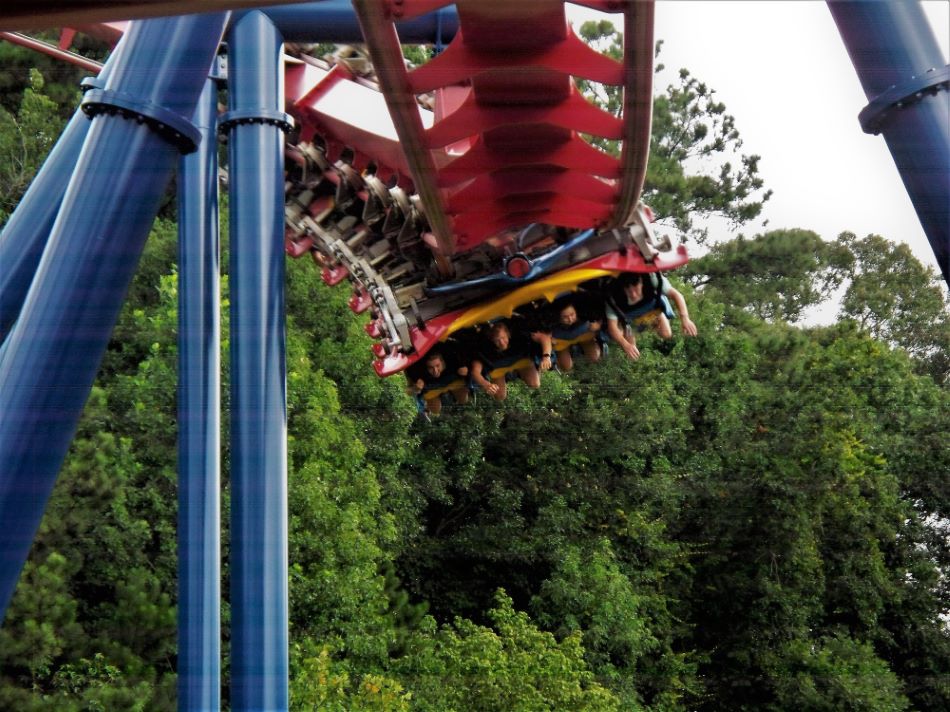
[{"x": 776, "y": 275}]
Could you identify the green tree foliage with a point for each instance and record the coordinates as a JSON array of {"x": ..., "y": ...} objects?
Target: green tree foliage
[
  {"x": 318, "y": 682},
  {"x": 744, "y": 522},
  {"x": 896, "y": 299},
  {"x": 837, "y": 674},
  {"x": 90, "y": 580},
  {"x": 705, "y": 517},
  {"x": 112, "y": 518},
  {"x": 776, "y": 275},
  {"x": 26, "y": 135},
  {"x": 61, "y": 79},
  {"x": 511, "y": 665},
  {"x": 780, "y": 274},
  {"x": 696, "y": 169},
  {"x": 339, "y": 528},
  {"x": 337, "y": 344},
  {"x": 505, "y": 511}
]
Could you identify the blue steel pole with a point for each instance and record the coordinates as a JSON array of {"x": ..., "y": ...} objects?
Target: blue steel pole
[
  {"x": 905, "y": 78},
  {"x": 199, "y": 419},
  {"x": 335, "y": 21},
  {"x": 26, "y": 232},
  {"x": 258, "y": 550},
  {"x": 54, "y": 349}
]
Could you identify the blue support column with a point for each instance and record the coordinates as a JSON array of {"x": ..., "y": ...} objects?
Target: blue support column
[
  {"x": 199, "y": 419},
  {"x": 335, "y": 21},
  {"x": 26, "y": 232},
  {"x": 906, "y": 80},
  {"x": 53, "y": 351},
  {"x": 258, "y": 547}
]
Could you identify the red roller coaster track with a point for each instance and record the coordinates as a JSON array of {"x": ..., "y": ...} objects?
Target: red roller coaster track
[{"x": 418, "y": 183}]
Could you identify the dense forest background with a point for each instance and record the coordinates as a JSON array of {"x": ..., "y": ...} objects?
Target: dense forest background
[{"x": 756, "y": 519}]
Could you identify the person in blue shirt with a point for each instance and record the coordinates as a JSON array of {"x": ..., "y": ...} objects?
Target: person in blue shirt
[{"x": 638, "y": 302}]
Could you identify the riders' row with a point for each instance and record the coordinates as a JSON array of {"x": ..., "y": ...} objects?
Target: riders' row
[{"x": 544, "y": 336}]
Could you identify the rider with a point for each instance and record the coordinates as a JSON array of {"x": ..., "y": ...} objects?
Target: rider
[
  {"x": 440, "y": 374},
  {"x": 570, "y": 324},
  {"x": 503, "y": 349},
  {"x": 641, "y": 302}
]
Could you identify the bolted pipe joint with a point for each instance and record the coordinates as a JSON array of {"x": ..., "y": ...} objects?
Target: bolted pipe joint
[{"x": 172, "y": 127}]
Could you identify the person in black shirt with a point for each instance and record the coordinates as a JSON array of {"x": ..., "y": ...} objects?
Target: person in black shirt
[
  {"x": 569, "y": 323},
  {"x": 440, "y": 374},
  {"x": 505, "y": 349}
]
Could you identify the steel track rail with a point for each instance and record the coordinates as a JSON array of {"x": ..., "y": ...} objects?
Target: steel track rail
[
  {"x": 508, "y": 115},
  {"x": 386, "y": 53},
  {"x": 637, "y": 107}
]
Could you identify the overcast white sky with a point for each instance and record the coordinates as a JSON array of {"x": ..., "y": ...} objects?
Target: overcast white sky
[{"x": 782, "y": 71}]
